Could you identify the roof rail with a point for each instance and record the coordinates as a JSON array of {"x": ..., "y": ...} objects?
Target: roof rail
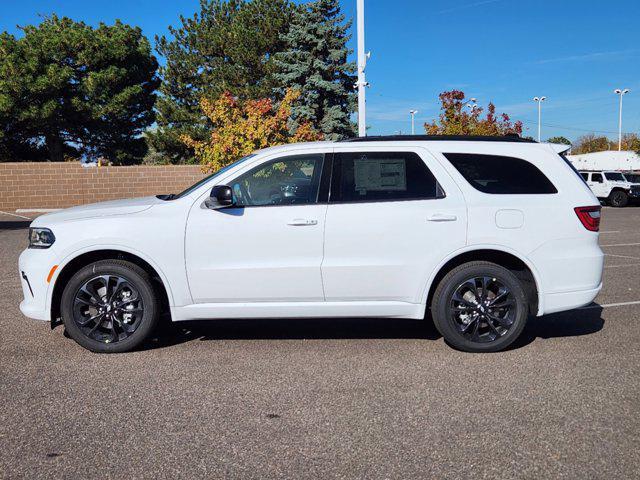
[{"x": 513, "y": 138}]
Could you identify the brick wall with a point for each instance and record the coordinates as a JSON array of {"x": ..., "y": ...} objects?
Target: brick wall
[{"x": 60, "y": 185}]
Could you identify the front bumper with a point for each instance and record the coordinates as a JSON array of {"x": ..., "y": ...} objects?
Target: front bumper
[{"x": 33, "y": 267}]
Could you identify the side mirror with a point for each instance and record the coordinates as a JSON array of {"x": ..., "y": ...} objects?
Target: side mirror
[{"x": 221, "y": 196}]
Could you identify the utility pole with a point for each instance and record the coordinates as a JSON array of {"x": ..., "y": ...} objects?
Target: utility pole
[
  {"x": 539, "y": 100},
  {"x": 622, "y": 93},
  {"x": 362, "y": 63},
  {"x": 413, "y": 116}
]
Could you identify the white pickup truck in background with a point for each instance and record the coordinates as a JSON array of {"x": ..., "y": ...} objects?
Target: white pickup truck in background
[{"x": 611, "y": 187}]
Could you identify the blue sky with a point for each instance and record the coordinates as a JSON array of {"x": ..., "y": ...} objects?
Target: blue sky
[{"x": 575, "y": 52}]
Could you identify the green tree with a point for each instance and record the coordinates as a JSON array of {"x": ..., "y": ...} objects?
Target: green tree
[
  {"x": 73, "y": 89},
  {"x": 561, "y": 140},
  {"x": 314, "y": 62},
  {"x": 227, "y": 46},
  {"x": 590, "y": 143}
]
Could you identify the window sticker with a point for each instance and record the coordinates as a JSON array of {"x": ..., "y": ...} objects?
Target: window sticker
[{"x": 376, "y": 174}]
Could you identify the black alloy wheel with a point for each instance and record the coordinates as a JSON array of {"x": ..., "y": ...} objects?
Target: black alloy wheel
[
  {"x": 109, "y": 306},
  {"x": 480, "y": 307}
]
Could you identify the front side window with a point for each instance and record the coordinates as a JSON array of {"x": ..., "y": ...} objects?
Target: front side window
[
  {"x": 497, "y": 174},
  {"x": 596, "y": 177},
  {"x": 292, "y": 180},
  {"x": 614, "y": 176},
  {"x": 382, "y": 176}
]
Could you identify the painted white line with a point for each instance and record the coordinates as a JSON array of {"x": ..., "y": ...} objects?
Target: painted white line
[
  {"x": 622, "y": 266},
  {"x": 14, "y": 215},
  {"x": 606, "y": 305},
  {"x": 37, "y": 210},
  {"x": 621, "y": 256},
  {"x": 610, "y": 231},
  {"x": 621, "y": 245}
]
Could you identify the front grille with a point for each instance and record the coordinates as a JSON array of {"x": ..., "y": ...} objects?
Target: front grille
[{"x": 635, "y": 189}]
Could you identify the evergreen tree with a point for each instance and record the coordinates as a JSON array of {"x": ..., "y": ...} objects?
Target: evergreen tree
[
  {"x": 314, "y": 62},
  {"x": 227, "y": 46},
  {"x": 67, "y": 89}
]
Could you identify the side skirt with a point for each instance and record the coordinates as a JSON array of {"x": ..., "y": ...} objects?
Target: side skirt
[{"x": 209, "y": 311}]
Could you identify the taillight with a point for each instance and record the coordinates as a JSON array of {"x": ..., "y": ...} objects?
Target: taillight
[{"x": 590, "y": 217}]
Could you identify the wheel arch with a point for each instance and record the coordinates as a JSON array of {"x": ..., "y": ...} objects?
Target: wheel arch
[
  {"x": 511, "y": 260},
  {"x": 78, "y": 260}
]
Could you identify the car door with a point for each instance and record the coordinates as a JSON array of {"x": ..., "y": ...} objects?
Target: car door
[
  {"x": 393, "y": 215},
  {"x": 597, "y": 185},
  {"x": 268, "y": 246}
]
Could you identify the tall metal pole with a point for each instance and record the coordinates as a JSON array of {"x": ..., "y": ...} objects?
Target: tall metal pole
[
  {"x": 362, "y": 61},
  {"x": 539, "y": 100},
  {"x": 413, "y": 117},
  {"x": 539, "y": 120},
  {"x": 620, "y": 125},
  {"x": 620, "y": 92}
]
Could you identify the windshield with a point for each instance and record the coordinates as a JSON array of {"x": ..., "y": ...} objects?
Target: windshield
[
  {"x": 209, "y": 177},
  {"x": 632, "y": 177},
  {"x": 614, "y": 176}
]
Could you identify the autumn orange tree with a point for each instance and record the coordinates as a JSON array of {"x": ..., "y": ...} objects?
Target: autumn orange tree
[
  {"x": 240, "y": 127},
  {"x": 455, "y": 119}
]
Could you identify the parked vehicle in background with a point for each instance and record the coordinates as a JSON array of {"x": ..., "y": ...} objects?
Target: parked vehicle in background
[
  {"x": 480, "y": 232},
  {"x": 631, "y": 177},
  {"x": 611, "y": 187}
]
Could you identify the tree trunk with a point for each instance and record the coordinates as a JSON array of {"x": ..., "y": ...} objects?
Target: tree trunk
[{"x": 55, "y": 146}]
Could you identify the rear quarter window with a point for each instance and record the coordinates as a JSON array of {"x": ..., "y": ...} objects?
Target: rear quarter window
[{"x": 501, "y": 175}]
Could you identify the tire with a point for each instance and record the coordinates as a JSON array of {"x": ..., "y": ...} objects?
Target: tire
[
  {"x": 124, "y": 320},
  {"x": 471, "y": 327},
  {"x": 618, "y": 198}
]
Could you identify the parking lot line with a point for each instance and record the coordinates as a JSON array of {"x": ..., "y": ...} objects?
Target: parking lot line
[
  {"x": 620, "y": 266},
  {"x": 14, "y": 215},
  {"x": 621, "y": 256},
  {"x": 621, "y": 244},
  {"x": 606, "y": 305},
  {"x": 610, "y": 231}
]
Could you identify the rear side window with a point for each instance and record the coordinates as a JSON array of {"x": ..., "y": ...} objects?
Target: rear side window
[
  {"x": 382, "y": 176},
  {"x": 497, "y": 174},
  {"x": 585, "y": 176},
  {"x": 596, "y": 177},
  {"x": 614, "y": 176}
]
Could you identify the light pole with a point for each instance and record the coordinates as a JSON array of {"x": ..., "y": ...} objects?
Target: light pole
[
  {"x": 539, "y": 100},
  {"x": 362, "y": 63},
  {"x": 622, "y": 93},
  {"x": 413, "y": 116}
]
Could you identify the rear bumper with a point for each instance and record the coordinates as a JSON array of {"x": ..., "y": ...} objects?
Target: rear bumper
[{"x": 559, "y": 302}]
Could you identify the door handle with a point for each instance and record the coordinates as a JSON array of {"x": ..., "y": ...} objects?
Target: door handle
[
  {"x": 441, "y": 217},
  {"x": 302, "y": 222}
]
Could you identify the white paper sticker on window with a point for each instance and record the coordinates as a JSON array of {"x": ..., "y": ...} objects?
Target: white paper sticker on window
[{"x": 376, "y": 174}]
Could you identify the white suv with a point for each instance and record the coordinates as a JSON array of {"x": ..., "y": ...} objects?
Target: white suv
[
  {"x": 481, "y": 232},
  {"x": 611, "y": 187}
]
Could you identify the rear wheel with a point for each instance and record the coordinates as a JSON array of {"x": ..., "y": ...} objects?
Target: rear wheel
[
  {"x": 109, "y": 306},
  {"x": 618, "y": 198},
  {"x": 480, "y": 307}
]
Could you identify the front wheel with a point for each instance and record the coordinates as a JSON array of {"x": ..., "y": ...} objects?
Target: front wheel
[
  {"x": 618, "y": 198},
  {"x": 480, "y": 307},
  {"x": 109, "y": 306}
]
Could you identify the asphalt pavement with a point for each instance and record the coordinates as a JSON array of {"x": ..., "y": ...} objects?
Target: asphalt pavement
[{"x": 356, "y": 398}]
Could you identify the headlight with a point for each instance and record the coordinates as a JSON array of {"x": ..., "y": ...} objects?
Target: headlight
[{"x": 41, "y": 238}]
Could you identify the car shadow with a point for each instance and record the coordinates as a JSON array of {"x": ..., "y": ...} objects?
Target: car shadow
[
  {"x": 14, "y": 224},
  {"x": 566, "y": 324}
]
